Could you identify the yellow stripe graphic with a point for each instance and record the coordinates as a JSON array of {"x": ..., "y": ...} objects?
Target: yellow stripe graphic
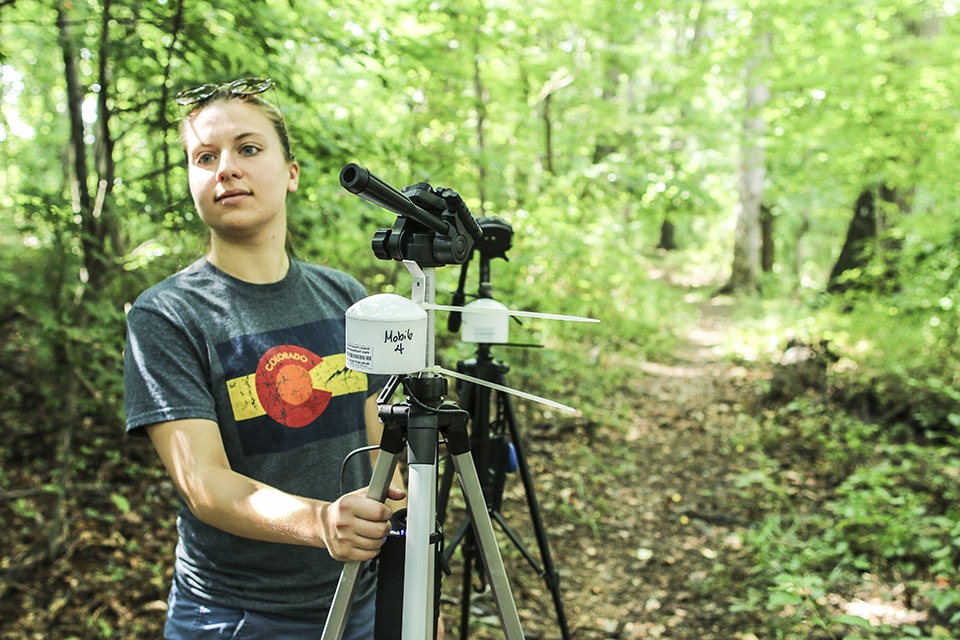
[
  {"x": 330, "y": 375},
  {"x": 243, "y": 397}
]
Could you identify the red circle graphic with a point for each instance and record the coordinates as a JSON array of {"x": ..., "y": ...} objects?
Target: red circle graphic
[{"x": 285, "y": 388}]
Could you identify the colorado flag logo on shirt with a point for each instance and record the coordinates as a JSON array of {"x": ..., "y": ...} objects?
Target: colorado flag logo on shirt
[{"x": 279, "y": 388}]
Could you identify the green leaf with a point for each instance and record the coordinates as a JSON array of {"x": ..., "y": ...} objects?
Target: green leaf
[
  {"x": 853, "y": 621},
  {"x": 781, "y": 599},
  {"x": 121, "y": 503}
]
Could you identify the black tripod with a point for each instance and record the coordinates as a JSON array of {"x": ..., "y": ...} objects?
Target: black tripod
[{"x": 494, "y": 436}]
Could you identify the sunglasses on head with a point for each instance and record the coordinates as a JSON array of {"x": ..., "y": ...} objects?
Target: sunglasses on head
[{"x": 242, "y": 87}]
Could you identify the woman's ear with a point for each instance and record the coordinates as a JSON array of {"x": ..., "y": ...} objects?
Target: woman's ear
[{"x": 294, "y": 180}]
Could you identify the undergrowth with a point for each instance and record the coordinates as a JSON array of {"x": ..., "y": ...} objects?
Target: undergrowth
[
  {"x": 856, "y": 485},
  {"x": 860, "y": 536}
]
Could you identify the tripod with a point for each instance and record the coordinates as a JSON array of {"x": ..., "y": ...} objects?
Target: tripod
[
  {"x": 417, "y": 423},
  {"x": 422, "y": 240},
  {"x": 433, "y": 228},
  {"x": 492, "y": 433}
]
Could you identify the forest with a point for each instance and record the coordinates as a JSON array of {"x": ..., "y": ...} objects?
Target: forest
[{"x": 753, "y": 197}]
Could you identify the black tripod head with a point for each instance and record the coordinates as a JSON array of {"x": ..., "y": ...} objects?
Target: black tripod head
[
  {"x": 496, "y": 241},
  {"x": 497, "y": 238},
  {"x": 434, "y": 227}
]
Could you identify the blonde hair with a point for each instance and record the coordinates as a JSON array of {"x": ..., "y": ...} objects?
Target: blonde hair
[{"x": 272, "y": 113}]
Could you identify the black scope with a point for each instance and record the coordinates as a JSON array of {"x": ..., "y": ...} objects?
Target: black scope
[{"x": 434, "y": 226}]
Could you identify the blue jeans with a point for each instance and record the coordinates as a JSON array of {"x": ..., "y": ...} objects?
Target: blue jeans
[{"x": 190, "y": 620}]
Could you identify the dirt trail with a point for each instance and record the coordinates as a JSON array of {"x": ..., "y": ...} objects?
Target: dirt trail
[{"x": 637, "y": 566}]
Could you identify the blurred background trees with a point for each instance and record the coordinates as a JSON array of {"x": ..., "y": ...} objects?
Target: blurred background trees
[{"x": 602, "y": 131}]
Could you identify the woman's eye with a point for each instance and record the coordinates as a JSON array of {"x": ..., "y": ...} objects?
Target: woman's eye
[
  {"x": 205, "y": 158},
  {"x": 249, "y": 150}
]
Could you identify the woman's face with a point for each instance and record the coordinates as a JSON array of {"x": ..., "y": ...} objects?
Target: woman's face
[{"x": 238, "y": 175}]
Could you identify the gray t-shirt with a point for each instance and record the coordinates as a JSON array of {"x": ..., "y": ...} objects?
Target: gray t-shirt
[{"x": 267, "y": 363}]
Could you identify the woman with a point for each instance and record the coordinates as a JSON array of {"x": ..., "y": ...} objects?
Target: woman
[{"x": 235, "y": 369}]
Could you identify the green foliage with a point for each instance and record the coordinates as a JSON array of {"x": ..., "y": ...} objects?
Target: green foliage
[
  {"x": 889, "y": 515},
  {"x": 905, "y": 341}
]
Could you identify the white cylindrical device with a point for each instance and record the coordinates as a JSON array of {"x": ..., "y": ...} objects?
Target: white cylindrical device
[
  {"x": 485, "y": 321},
  {"x": 386, "y": 334}
]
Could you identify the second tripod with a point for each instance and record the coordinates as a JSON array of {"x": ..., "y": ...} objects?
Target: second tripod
[{"x": 497, "y": 449}]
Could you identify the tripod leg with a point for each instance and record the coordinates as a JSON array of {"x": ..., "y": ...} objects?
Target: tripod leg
[
  {"x": 485, "y": 537},
  {"x": 550, "y": 576},
  {"x": 419, "y": 578},
  {"x": 466, "y": 584},
  {"x": 443, "y": 493},
  {"x": 343, "y": 598}
]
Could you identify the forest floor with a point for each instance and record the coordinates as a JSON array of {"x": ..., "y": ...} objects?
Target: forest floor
[{"x": 636, "y": 514}]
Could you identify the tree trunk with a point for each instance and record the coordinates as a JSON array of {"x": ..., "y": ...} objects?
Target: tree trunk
[
  {"x": 861, "y": 231},
  {"x": 480, "y": 105},
  {"x": 547, "y": 135},
  {"x": 58, "y": 526},
  {"x": 863, "y": 242},
  {"x": 768, "y": 249},
  {"x": 100, "y": 243},
  {"x": 668, "y": 241},
  {"x": 558, "y": 81},
  {"x": 745, "y": 272},
  {"x": 78, "y": 156}
]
